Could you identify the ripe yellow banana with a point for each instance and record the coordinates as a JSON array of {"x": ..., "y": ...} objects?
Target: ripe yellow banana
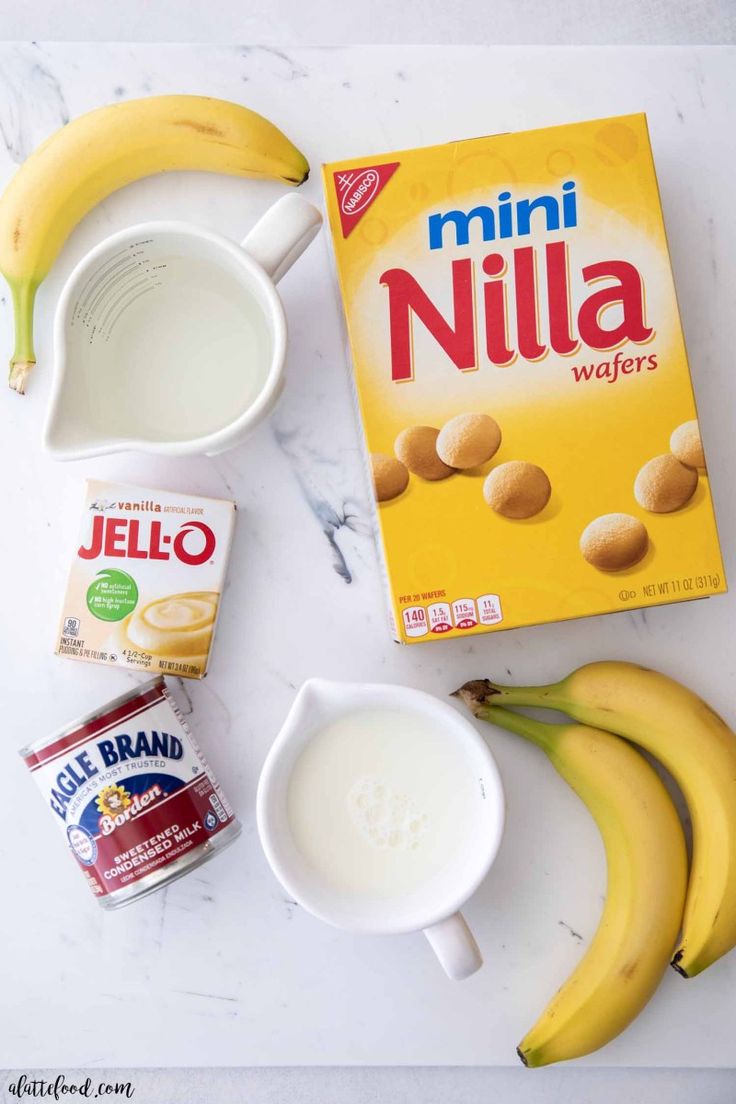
[
  {"x": 698, "y": 749},
  {"x": 647, "y": 878},
  {"x": 100, "y": 152}
]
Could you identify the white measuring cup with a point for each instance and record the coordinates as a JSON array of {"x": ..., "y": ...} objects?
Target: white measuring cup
[
  {"x": 434, "y": 906},
  {"x": 171, "y": 339}
]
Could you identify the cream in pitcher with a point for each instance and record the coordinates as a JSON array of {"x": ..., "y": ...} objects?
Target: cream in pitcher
[{"x": 145, "y": 583}]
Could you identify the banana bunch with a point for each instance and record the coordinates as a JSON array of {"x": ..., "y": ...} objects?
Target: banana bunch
[
  {"x": 647, "y": 903},
  {"x": 101, "y": 151}
]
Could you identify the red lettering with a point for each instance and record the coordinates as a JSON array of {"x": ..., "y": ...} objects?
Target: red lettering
[
  {"x": 155, "y": 551},
  {"x": 582, "y": 371},
  {"x": 525, "y": 280},
  {"x": 180, "y": 550},
  {"x": 121, "y": 537},
  {"x": 406, "y": 297},
  {"x": 134, "y": 551},
  {"x": 558, "y": 300},
  {"x": 115, "y": 537},
  {"x": 564, "y": 333},
  {"x": 494, "y": 295},
  {"x": 95, "y": 545},
  {"x": 627, "y": 291}
]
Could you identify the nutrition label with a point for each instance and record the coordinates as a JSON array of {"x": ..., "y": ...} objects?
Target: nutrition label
[{"x": 442, "y": 617}]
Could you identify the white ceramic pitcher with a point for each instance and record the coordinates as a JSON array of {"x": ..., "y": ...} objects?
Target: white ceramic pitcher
[
  {"x": 171, "y": 339},
  {"x": 432, "y": 908}
]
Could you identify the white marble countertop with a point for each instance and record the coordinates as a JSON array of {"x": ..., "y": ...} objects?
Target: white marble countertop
[
  {"x": 327, "y": 22},
  {"x": 221, "y": 969}
]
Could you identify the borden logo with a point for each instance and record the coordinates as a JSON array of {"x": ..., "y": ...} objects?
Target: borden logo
[
  {"x": 357, "y": 189},
  {"x": 115, "y": 815}
]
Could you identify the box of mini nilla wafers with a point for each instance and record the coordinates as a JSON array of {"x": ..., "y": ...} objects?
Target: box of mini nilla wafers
[{"x": 522, "y": 379}]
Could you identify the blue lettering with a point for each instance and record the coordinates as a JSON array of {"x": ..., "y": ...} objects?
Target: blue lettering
[
  {"x": 505, "y": 215},
  {"x": 142, "y": 746},
  {"x": 501, "y": 221},
  {"x": 59, "y": 801},
  {"x": 159, "y": 743},
  {"x": 569, "y": 204},
  {"x": 462, "y": 226},
  {"x": 525, "y": 207},
  {"x": 68, "y": 781},
  {"x": 90, "y": 770},
  {"x": 65, "y": 786},
  {"x": 164, "y": 744},
  {"x": 123, "y": 747},
  {"x": 106, "y": 749}
]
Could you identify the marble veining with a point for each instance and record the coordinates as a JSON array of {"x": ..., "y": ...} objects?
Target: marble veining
[
  {"x": 31, "y": 101},
  {"x": 308, "y": 465}
]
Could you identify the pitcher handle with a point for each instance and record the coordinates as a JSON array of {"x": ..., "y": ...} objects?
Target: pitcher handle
[
  {"x": 454, "y": 944},
  {"x": 280, "y": 237}
]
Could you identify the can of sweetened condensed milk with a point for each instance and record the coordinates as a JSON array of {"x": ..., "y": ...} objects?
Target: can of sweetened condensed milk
[{"x": 133, "y": 795}]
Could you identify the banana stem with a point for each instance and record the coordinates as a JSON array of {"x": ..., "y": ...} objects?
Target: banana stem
[
  {"x": 543, "y": 697},
  {"x": 540, "y": 733},
  {"x": 24, "y": 357},
  {"x": 481, "y": 702}
]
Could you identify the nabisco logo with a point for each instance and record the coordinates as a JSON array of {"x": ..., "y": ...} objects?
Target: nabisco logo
[{"x": 357, "y": 189}]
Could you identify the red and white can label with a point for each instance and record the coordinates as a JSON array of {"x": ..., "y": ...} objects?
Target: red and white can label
[{"x": 131, "y": 791}]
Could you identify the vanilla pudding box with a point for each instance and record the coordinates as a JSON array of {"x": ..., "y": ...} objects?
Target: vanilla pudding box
[
  {"x": 146, "y": 579},
  {"x": 522, "y": 379}
]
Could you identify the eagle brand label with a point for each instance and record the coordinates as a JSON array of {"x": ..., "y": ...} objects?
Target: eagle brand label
[{"x": 133, "y": 795}]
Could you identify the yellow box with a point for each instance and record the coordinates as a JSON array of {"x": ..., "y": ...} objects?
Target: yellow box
[{"x": 519, "y": 286}]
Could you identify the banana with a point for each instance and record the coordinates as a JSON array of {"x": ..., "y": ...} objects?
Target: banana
[
  {"x": 698, "y": 749},
  {"x": 102, "y": 151},
  {"x": 647, "y": 878}
]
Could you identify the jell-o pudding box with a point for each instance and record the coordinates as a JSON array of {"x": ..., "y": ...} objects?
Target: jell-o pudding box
[
  {"x": 522, "y": 379},
  {"x": 146, "y": 579}
]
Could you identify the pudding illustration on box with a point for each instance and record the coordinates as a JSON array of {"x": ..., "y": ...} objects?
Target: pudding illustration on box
[{"x": 522, "y": 379}]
